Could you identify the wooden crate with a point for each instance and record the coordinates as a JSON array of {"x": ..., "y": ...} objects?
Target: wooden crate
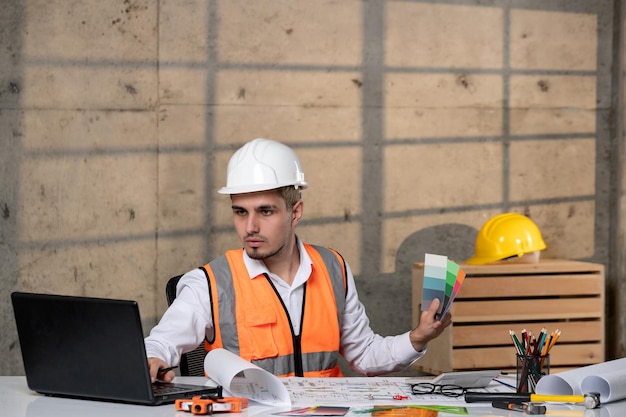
[{"x": 553, "y": 293}]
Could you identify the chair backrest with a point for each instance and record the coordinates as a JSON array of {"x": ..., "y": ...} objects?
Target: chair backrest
[
  {"x": 170, "y": 289},
  {"x": 191, "y": 363}
]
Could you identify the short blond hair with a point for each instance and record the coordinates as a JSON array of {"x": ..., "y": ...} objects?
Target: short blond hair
[{"x": 290, "y": 194}]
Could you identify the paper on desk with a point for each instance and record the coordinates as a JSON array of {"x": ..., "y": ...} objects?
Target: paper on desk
[
  {"x": 242, "y": 378},
  {"x": 607, "y": 378}
]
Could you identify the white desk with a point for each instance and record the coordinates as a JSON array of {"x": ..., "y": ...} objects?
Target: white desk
[{"x": 16, "y": 400}]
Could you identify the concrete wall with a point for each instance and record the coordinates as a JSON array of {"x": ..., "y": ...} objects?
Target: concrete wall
[{"x": 415, "y": 121}]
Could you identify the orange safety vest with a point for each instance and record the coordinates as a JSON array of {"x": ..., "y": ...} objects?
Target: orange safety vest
[{"x": 250, "y": 319}]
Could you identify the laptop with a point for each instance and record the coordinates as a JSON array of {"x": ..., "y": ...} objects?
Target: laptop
[{"x": 90, "y": 348}]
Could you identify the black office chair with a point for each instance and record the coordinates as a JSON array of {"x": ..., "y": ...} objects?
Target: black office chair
[{"x": 191, "y": 363}]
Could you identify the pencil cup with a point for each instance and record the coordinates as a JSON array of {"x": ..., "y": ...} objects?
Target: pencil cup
[{"x": 530, "y": 369}]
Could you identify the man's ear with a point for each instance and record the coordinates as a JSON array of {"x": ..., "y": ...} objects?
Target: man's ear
[{"x": 296, "y": 212}]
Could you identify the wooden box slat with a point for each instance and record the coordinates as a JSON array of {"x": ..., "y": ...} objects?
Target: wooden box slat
[
  {"x": 504, "y": 357},
  {"x": 498, "y": 334},
  {"x": 549, "y": 309},
  {"x": 544, "y": 266},
  {"x": 532, "y": 286}
]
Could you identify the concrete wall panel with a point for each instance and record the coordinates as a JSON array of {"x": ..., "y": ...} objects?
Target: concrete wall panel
[
  {"x": 305, "y": 33},
  {"x": 410, "y": 170},
  {"x": 538, "y": 121},
  {"x": 441, "y": 35},
  {"x": 555, "y": 40},
  {"x": 562, "y": 91},
  {"x": 294, "y": 124},
  {"x": 552, "y": 169}
]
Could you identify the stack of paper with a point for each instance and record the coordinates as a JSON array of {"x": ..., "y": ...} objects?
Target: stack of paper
[{"x": 442, "y": 280}]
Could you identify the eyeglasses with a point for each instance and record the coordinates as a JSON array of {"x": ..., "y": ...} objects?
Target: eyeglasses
[{"x": 428, "y": 388}]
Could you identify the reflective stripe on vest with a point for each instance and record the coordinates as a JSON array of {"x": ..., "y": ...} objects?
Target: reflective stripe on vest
[{"x": 251, "y": 321}]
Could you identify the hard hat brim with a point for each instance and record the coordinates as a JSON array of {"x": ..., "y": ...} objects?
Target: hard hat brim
[
  {"x": 479, "y": 260},
  {"x": 258, "y": 187}
]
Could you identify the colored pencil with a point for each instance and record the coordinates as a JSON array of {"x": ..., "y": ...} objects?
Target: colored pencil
[{"x": 518, "y": 345}]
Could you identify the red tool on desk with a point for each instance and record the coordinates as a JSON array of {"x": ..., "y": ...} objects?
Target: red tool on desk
[{"x": 209, "y": 404}]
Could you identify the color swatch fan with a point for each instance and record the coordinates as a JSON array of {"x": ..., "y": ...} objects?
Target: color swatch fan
[{"x": 442, "y": 280}]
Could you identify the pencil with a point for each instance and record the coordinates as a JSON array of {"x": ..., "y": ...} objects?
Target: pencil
[
  {"x": 555, "y": 336},
  {"x": 546, "y": 345},
  {"x": 531, "y": 342},
  {"x": 516, "y": 342}
]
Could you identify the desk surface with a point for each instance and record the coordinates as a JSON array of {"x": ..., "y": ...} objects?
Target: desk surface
[{"x": 17, "y": 400}]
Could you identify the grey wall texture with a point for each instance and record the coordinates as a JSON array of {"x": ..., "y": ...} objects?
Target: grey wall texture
[{"x": 415, "y": 120}]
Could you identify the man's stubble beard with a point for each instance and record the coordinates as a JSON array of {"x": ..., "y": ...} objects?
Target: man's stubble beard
[{"x": 254, "y": 253}]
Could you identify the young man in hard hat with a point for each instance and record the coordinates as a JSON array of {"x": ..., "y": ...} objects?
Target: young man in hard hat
[{"x": 289, "y": 307}]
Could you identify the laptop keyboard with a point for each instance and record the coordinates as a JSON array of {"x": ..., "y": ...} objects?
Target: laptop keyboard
[
  {"x": 161, "y": 389},
  {"x": 164, "y": 388}
]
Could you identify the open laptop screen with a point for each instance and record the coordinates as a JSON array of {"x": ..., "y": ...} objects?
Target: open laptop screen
[{"x": 83, "y": 347}]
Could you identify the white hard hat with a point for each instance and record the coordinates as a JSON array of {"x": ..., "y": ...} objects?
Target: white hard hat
[{"x": 263, "y": 164}]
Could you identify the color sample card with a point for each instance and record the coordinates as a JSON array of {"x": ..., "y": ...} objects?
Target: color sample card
[
  {"x": 442, "y": 280},
  {"x": 452, "y": 270},
  {"x": 457, "y": 286},
  {"x": 434, "y": 279}
]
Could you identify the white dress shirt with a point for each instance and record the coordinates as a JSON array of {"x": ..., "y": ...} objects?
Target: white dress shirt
[{"x": 186, "y": 322}]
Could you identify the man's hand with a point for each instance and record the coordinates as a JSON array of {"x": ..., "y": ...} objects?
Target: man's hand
[
  {"x": 429, "y": 327},
  {"x": 156, "y": 366}
]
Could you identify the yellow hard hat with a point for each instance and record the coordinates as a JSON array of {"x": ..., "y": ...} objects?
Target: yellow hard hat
[{"x": 504, "y": 236}]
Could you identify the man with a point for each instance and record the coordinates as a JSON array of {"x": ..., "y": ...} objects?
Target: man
[{"x": 289, "y": 307}]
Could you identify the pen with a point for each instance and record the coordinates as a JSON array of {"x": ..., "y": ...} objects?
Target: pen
[
  {"x": 164, "y": 370},
  {"x": 505, "y": 384}
]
